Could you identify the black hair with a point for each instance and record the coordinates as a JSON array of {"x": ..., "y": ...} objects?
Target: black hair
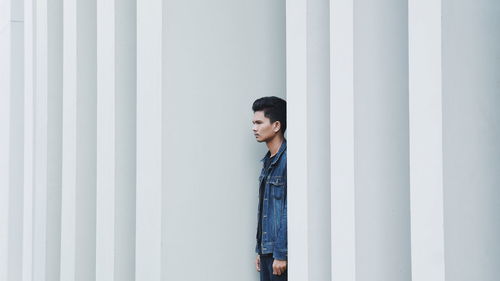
[{"x": 274, "y": 108}]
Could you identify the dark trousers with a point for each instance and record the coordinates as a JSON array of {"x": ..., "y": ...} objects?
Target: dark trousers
[{"x": 266, "y": 269}]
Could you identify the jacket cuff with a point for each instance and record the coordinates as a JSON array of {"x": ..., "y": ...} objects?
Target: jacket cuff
[{"x": 280, "y": 255}]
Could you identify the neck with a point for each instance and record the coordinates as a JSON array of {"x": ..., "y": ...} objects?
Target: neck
[{"x": 274, "y": 144}]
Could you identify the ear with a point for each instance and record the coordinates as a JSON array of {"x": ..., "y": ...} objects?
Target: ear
[{"x": 276, "y": 126}]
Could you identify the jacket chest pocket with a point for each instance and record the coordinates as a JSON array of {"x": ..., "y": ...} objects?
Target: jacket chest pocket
[{"x": 277, "y": 185}]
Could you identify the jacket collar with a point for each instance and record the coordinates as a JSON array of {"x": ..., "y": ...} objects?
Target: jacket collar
[{"x": 278, "y": 154}]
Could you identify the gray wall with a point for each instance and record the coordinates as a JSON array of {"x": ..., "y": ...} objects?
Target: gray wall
[
  {"x": 381, "y": 140},
  {"x": 219, "y": 57}
]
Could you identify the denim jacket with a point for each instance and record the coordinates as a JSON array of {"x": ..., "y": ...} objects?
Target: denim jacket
[{"x": 274, "y": 210}]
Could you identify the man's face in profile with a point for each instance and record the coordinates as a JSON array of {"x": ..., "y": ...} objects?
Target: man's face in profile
[{"x": 262, "y": 127}]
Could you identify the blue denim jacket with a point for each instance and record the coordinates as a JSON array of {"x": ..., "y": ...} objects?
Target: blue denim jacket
[{"x": 274, "y": 210}]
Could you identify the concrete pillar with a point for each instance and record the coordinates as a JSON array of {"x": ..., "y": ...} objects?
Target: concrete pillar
[
  {"x": 426, "y": 143},
  {"x": 106, "y": 141},
  {"x": 16, "y": 149},
  {"x": 148, "y": 259},
  {"x": 47, "y": 124},
  {"x": 5, "y": 58},
  {"x": 342, "y": 140},
  {"x": 471, "y": 137},
  {"x": 78, "y": 241},
  {"x": 308, "y": 88},
  {"x": 116, "y": 108},
  {"x": 298, "y": 235},
  {"x": 29, "y": 146},
  {"x": 12, "y": 135}
]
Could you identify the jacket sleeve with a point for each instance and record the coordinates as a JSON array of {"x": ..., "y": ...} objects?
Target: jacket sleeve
[
  {"x": 280, "y": 248},
  {"x": 257, "y": 231},
  {"x": 257, "y": 240},
  {"x": 257, "y": 246}
]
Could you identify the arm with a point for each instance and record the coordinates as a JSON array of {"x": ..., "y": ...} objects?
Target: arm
[
  {"x": 280, "y": 249},
  {"x": 257, "y": 234},
  {"x": 257, "y": 231}
]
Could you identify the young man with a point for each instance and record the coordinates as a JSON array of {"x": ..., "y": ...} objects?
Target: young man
[{"x": 269, "y": 125}]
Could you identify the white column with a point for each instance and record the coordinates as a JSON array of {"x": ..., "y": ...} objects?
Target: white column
[
  {"x": 78, "y": 246},
  {"x": 106, "y": 188},
  {"x": 116, "y": 77},
  {"x": 5, "y": 44},
  {"x": 47, "y": 139},
  {"x": 29, "y": 145},
  {"x": 149, "y": 141},
  {"x": 40, "y": 140},
  {"x": 297, "y": 166},
  {"x": 68, "y": 212},
  {"x": 125, "y": 138},
  {"x": 471, "y": 138},
  {"x": 426, "y": 144},
  {"x": 16, "y": 142},
  {"x": 86, "y": 116},
  {"x": 342, "y": 140},
  {"x": 54, "y": 135},
  {"x": 308, "y": 88}
]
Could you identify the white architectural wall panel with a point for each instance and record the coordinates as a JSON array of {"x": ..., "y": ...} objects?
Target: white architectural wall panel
[
  {"x": 471, "y": 138},
  {"x": 125, "y": 138},
  {"x": 343, "y": 245},
  {"x": 5, "y": 124},
  {"x": 69, "y": 128},
  {"x": 47, "y": 98},
  {"x": 115, "y": 232},
  {"x": 308, "y": 88},
  {"x": 28, "y": 142},
  {"x": 148, "y": 260},
  {"x": 106, "y": 187},
  {"x": 426, "y": 143},
  {"x": 16, "y": 151},
  {"x": 40, "y": 186},
  {"x": 85, "y": 199},
  {"x": 54, "y": 135},
  {"x": 78, "y": 248},
  {"x": 298, "y": 236}
]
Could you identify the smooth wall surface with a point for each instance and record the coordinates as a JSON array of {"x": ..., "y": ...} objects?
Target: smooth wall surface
[
  {"x": 219, "y": 56},
  {"x": 381, "y": 145}
]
